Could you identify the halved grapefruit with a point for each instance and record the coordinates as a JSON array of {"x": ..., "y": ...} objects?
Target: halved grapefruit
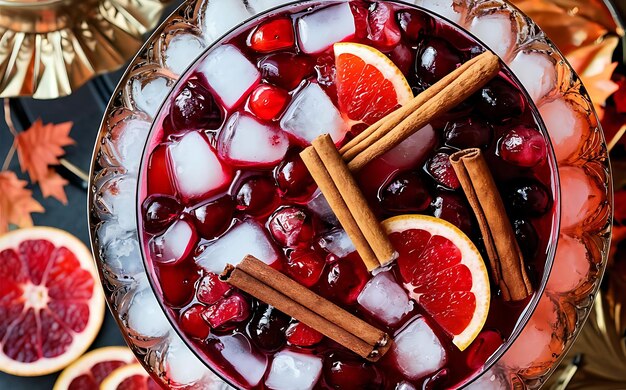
[
  {"x": 51, "y": 307},
  {"x": 92, "y": 368},
  {"x": 444, "y": 272},
  {"x": 131, "y": 377},
  {"x": 369, "y": 84}
]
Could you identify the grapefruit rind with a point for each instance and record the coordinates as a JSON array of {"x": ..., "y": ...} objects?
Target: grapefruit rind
[
  {"x": 83, "y": 340},
  {"x": 471, "y": 258},
  {"x": 90, "y": 359},
  {"x": 114, "y": 379}
]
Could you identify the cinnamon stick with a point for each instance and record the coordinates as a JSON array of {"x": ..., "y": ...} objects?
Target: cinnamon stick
[
  {"x": 272, "y": 287},
  {"x": 505, "y": 256},
  {"x": 448, "y": 93}
]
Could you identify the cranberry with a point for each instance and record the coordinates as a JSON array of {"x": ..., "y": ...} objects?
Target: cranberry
[
  {"x": 500, "y": 101},
  {"x": 213, "y": 218},
  {"x": 435, "y": 59},
  {"x": 178, "y": 284},
  {"x": 360, "y": 13},
  {"x": 527, "y": 238},
  {"x": 470, "y": 132},
  {"x": 230, "y": 310},
  {"x": 267, "y": 328},
  {"x": 211, "y": 289},
  {"x": 195, "y": 108},
  {"x": 272, "y": 35},
  {"x": 441, "y": 170},
  {"x": 193, "y": 323},
  {"x": 291, "y": 226},
  {"x": 402, "y": 56},
  {"x": 453, "y": 209},
  {"x": 344, "y": 279},
  {"x": 301, "y": 335},
  {"x": 524, "y": 147},
  {"x": 294, "y": 179},
  {"x": 529, "y": 197},
  {"x": 159, "y": 181},
  {"x": 286, "y": 70},
  {"x": 268, "y": 102},
  {"x": 257, "y": 196},
  {"x": 405, "y": 193},
  {"x": 384, "y": 32},
  {"x": 305, "y": 266},
  {"x": 487, "y": 342},
  {"x": 159, "y": 211},
  {"x": 349, "y": 374},
  {"x": 413, "y": 24}
]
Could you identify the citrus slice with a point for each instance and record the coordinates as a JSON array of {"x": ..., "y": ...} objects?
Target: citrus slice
[
  {"x": 91, "y": 369},
  {"x": 369, "y": 84},
  {"x": 130, "y": 377},
  {"x": 444, "y": 272},
  {"x": 51, "y": 307}
]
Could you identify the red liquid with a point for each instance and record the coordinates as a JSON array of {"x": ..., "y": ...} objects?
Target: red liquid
[{"x": 276, "y": 196}]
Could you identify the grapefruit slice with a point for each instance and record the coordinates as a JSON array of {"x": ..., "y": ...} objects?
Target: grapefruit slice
[
  {"x": 91, "y": 369},
  {"x": 51, "y": 307},
  {"x": 130, "y": 377},
  {"x": 369, "y": 84},
  {"x": 444, "y": 272}
]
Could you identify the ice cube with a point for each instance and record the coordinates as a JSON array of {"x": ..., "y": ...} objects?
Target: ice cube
[
  {"x": 417, "y": 350},
  {"x": 184, "y": 368},
  {"x": 413, "y": 150},
  {"x": 405, "y": 386},
  {"x": 259, "y": 6},
  {"x": 490, "y": 380},
  {"x": 182, "y": 50},
  {"x": 246, "y": 141},
  {"x": 175, "y": 244},
  {"x": 197, "y": 170},
  {"x": 243, "y": 356},
  {"x": 149, "y": 93},
  {"x": 229, "y": 73},
  {"x": 583, "y": 196},
  {"x": 536, "y": 72},
  {"x": 247, "y": 238},
  {"x": 122, "y": 255},
  {"x": 293, "y": 371},
  {"x": 109, "y": 231},
  {"x": 385, "y": 299},
  {"x": 496, "y": 31},
  {"x": 338, "y": 243},
  {"x": 568, "y": 128},
  {"x": 145, "y": 315},
  {"x": 571, "y": 265},
  {"x": 220, "y": 16},
  {"x": 320, "y": 207},
  {"x": 444, "y": 8},
  {"x": 312, "y": 113},
  {"x": 116, "y": 201},
  {"x": 128, "y": 139},
  {"x": 321, "y": 29}
]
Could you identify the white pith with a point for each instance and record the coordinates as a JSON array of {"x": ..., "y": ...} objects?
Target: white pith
[{"x": 118, "y": 376}]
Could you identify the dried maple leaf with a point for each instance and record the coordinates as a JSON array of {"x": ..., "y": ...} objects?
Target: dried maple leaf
[
  {"x": 16, "y": 202},
  {"x": 52, "y": 185},
  {"x": 41, "y": 146}
]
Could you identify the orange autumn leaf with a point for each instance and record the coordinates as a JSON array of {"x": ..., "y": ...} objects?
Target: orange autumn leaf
[
  {"x": 41, "y": 146},
  {"x": 52, "y": 185},
  {"x": 16, "y": 202}
]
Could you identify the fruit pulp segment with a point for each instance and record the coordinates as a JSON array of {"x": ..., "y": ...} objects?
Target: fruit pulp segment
[{"x": 271, "y": 207}]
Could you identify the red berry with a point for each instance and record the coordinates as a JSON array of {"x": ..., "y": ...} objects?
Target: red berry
[
  {"x": 402, "y": 55},
  {"x": 471, "y": 132},
  {"x": 453, "y": 209},
  {"x": 213, "y": 218},
  {"x": 405, "y": 193},
  {"x": 159, "y": 211},
  {"x": 195, "y": 108},
  {"x": 435, "y": 59},
  {"x": 273, "y": 35},
  {"x": 360, "y": 13},
  {"x": 305, "y": 266},
  {"x": 524, "y": 147},
  {"x": 193, "y": 323},
  {"x": 159, "y": 180},
  {"x": 384, "y": 32},
  {"x": 349, "y": 374},
  {"x": 268, "y": 102},
  {"x": 529, "y": 197},
  {"x": 294, "y": 179},
  {"x": 500, "y": 101},
  {"x": 441, "y": 170},
  {"x": 291, "y": 227},
  {"x": 302, "y": 335},
  {"x": 230, "y": 310},
  {"x": 481, "y": 349},
  {"x": 257, "y": 196},
  {"x": 178, "y": 284},
  {"x": 211, "y": 289},
  {"x": 286, "y": 70},
  {"x": 344, "y": 279},
  {"x": 267, "y": 328},
  {"x": 413, "y": 24}
]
